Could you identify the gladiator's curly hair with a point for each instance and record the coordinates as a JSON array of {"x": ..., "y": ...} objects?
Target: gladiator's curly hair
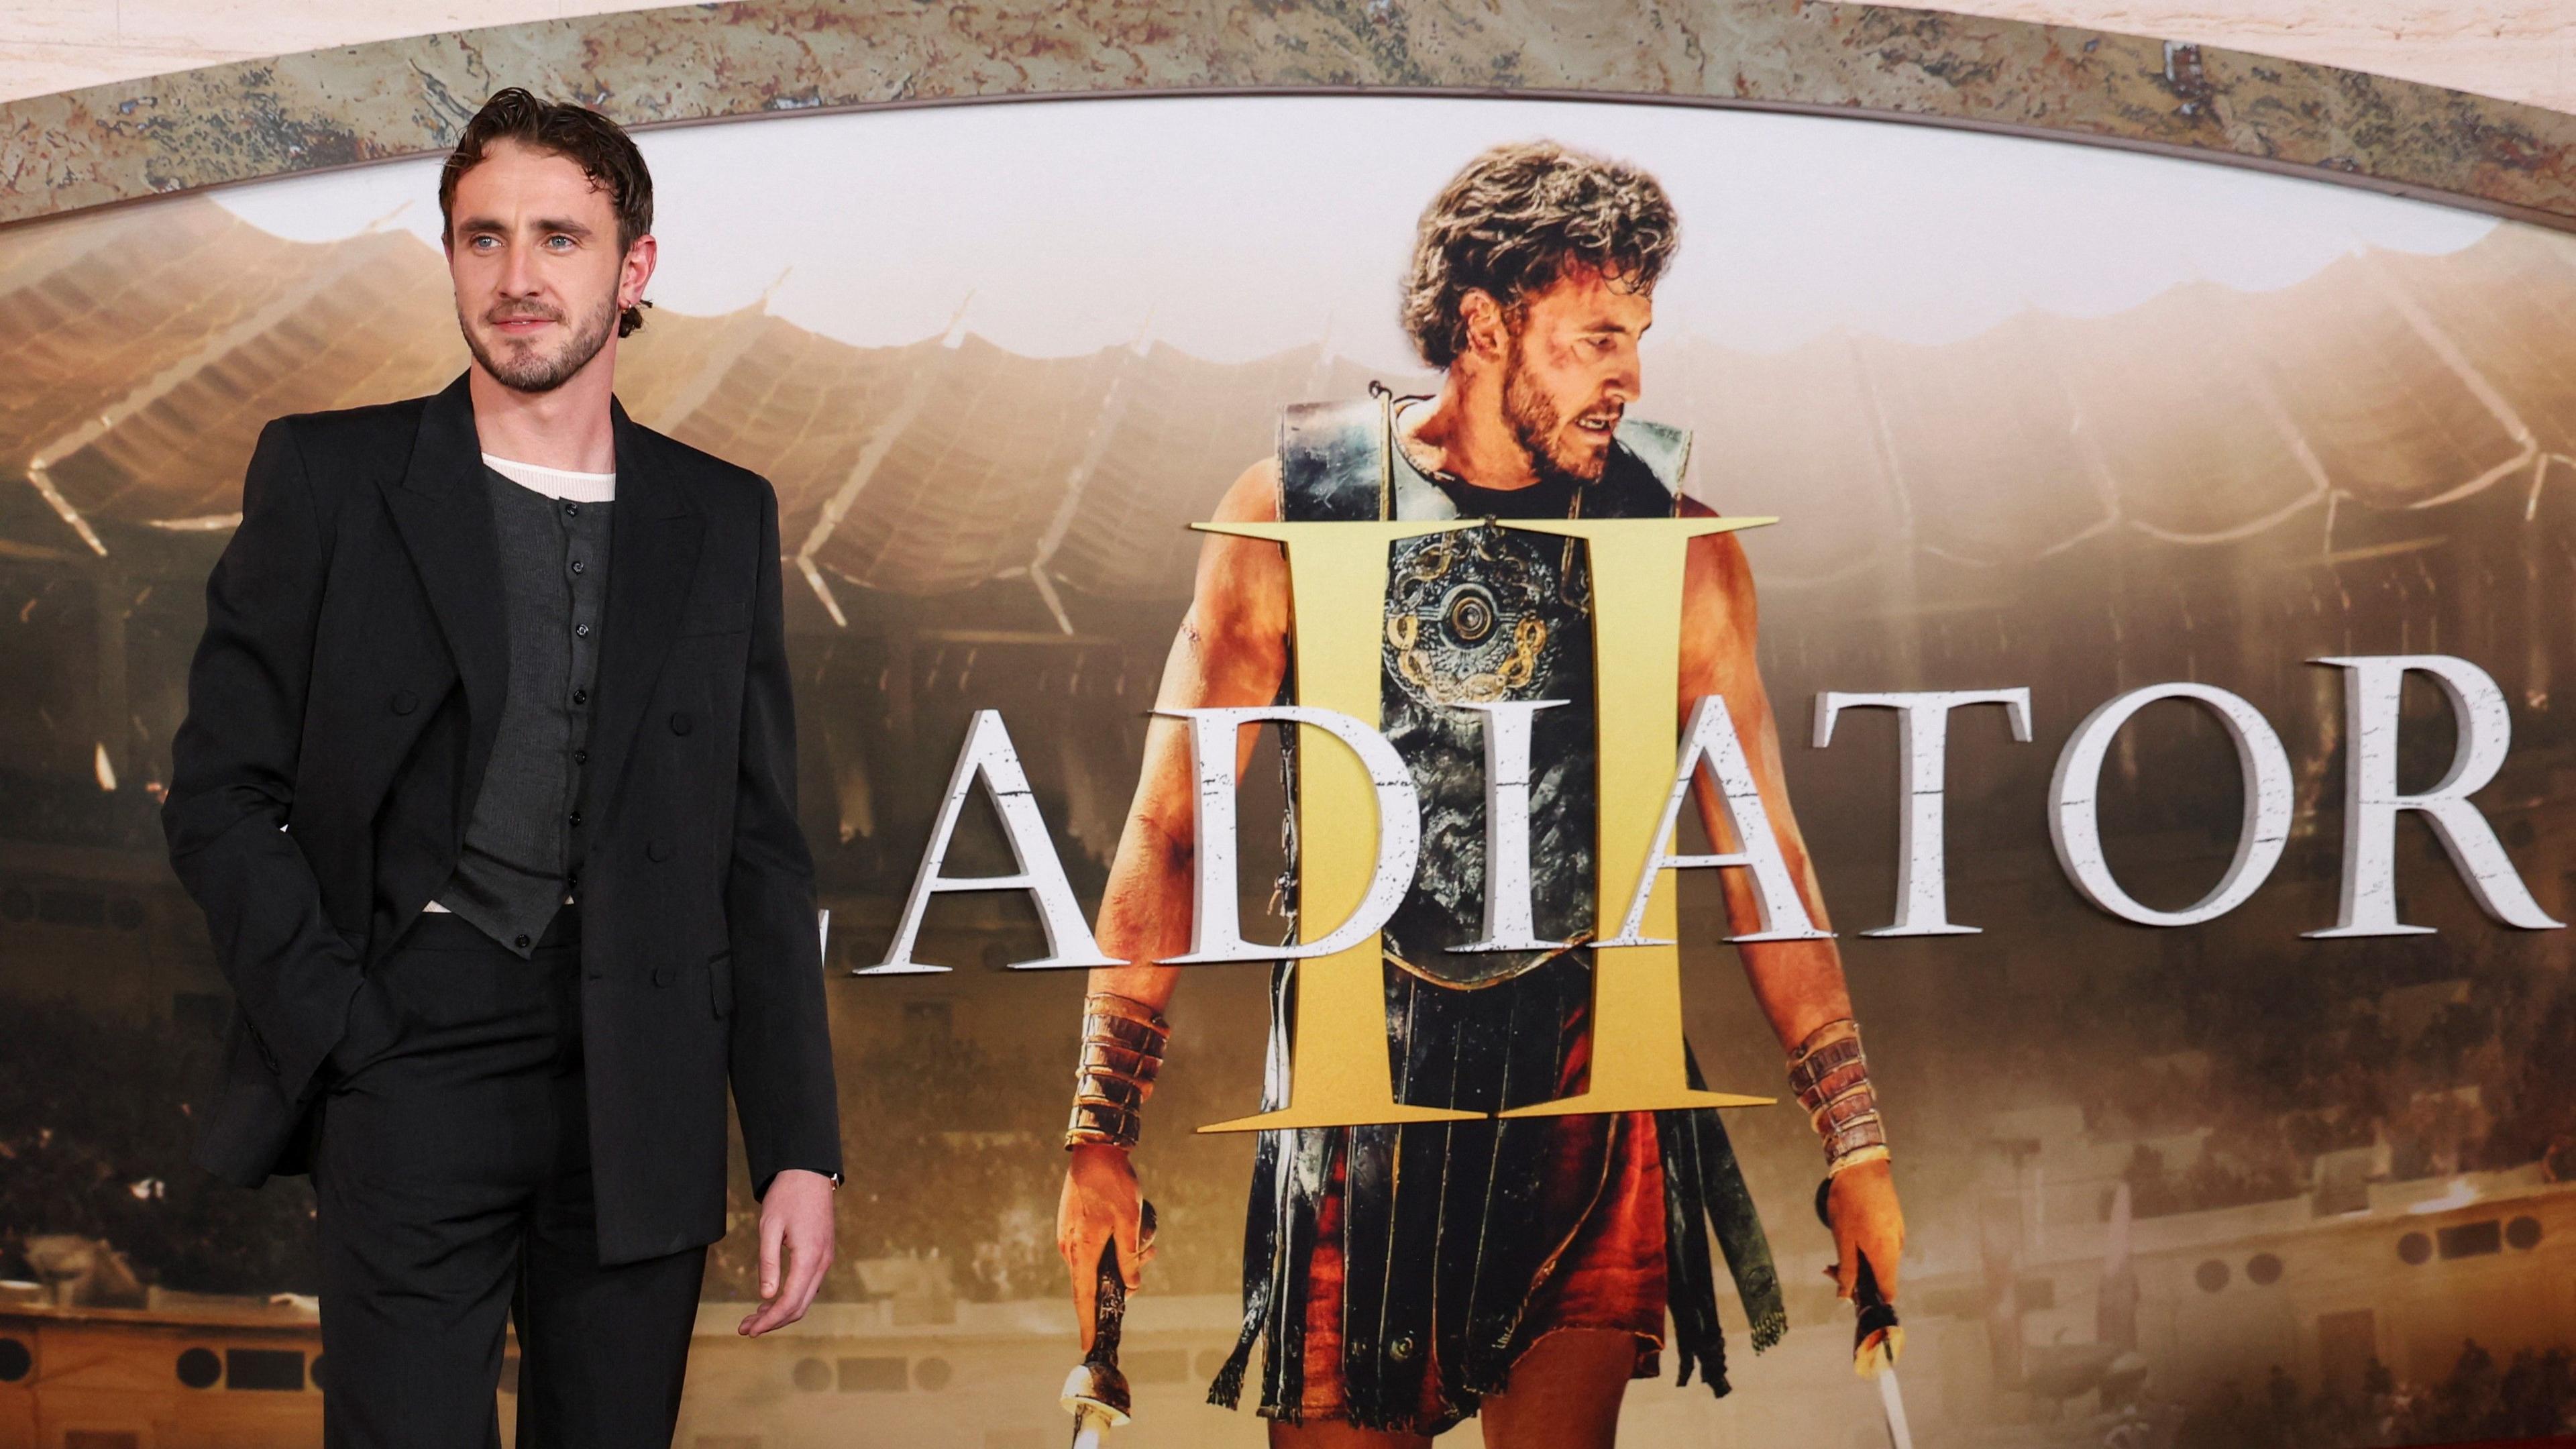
[
  {"x": 1512, "y": 222},
  {"x": 591, "y": 141}
]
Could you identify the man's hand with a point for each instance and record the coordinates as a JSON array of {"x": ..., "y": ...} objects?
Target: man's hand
[
  {"x": 1867, "y": 1223},
  {"x": 1100, "y": 1202},
  {"x": 795, "y": 1223}
]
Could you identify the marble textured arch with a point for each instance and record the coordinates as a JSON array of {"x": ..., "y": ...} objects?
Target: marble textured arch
[{"x": 321, "y": 109}]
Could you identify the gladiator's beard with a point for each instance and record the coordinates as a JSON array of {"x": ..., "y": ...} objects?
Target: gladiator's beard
[
  {"x": 1542, "y": 432},
  {"x": 522, "y": 368}
]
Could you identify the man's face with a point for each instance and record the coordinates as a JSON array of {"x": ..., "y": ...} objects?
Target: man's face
[
  {"x": 534, "y": 254},
  {"x": 1571, "y": 370}
]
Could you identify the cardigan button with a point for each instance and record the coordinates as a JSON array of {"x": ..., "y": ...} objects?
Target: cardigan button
[
  {"x": 657, "y": 850},
  {"x": 404, "y": 701},
  {"x": 681, "y": 724}
]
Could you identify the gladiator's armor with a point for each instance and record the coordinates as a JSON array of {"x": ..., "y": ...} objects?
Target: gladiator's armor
[{"x": 1479, "y": 615}]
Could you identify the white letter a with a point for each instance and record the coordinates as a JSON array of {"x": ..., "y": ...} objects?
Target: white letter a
[
  {"x": 1712, "y": 743},
  {"x": 988, "y": 756}
]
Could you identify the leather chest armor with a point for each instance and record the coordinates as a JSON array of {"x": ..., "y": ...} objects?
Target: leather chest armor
[{"x": 1475, "y": 617}]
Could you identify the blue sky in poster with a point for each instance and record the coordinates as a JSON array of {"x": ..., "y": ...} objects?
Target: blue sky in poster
[{"x": 1233, "y": 228}]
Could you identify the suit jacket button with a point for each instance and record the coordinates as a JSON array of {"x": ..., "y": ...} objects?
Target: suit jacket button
[
  {"x": 404, "y": 701},
  {"x": 520, "y": 940},
  {"x": 681, "y": 724},
  {"x": 657, "y": 850}
]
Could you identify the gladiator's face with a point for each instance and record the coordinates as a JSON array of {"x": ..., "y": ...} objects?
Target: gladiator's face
[
  {"x": 538, "y": 271},
  {"x": 1571, "y": 370}
]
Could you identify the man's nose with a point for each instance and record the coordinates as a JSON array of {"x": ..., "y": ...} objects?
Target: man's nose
[
  {"x": 1624, "y": 383},
  {"x": 518, "y": 272}
]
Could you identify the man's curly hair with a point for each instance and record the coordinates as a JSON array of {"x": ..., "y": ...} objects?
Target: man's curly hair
[{"x": 1512, "y": 222}]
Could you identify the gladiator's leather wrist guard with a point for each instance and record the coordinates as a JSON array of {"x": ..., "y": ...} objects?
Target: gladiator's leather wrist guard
[
  {"x": 1831, "y": 1077},
  {"x": 1122, "y": 1050}
]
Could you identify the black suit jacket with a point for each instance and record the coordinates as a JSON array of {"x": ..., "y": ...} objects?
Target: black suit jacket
[{"x": 341, "y": 708}]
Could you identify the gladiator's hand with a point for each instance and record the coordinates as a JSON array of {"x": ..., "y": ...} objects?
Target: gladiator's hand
[
  {"x": 1100, "y": 1202},
  {"x": 1867, "y": 1221}
]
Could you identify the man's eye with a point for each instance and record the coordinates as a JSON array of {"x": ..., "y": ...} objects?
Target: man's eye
[{"x": 565, "y": 240}]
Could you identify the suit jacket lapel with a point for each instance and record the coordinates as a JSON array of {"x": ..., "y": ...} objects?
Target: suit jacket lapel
[
  {"x": 652, "y": 558},
  {"x": 442, "y": 508}
]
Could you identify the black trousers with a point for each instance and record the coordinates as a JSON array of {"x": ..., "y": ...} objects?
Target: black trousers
[{"x": 452, "y": 1180}]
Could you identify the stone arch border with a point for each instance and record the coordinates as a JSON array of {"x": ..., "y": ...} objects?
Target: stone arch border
[{"x": 325, "y": 109}]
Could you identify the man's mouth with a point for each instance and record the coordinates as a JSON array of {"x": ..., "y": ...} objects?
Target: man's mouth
[
  {"x": 520, "y": 326},
  {"x": 1602, "y": 423}
]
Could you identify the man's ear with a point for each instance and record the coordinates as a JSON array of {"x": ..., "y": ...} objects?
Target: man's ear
[
  {"x": 642, "y": 255},
  {"x": 1488, "y": 331}
]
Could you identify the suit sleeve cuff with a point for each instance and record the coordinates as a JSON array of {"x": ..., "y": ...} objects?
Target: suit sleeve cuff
[{"x": 831, "y": 1175}]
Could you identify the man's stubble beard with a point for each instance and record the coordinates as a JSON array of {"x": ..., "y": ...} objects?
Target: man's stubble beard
[
  {"x": 1536, "y": 425},
  {"x": 534, "y": 373}
]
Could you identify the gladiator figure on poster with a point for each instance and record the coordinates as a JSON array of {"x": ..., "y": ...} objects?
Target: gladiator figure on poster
[{"x": 1535, "y": 1282}]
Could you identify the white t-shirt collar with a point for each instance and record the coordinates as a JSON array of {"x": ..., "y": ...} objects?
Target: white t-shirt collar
[{"x": 556, "y": 483}]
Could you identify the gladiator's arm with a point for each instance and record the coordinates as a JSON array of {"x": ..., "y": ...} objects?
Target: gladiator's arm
[
  {"x": 1231, "y": 652},
  {"x": 1799, "y": 984}
]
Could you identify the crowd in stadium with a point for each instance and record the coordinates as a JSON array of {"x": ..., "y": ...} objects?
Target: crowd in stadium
[
  {"x": 2282, "y": 1062},
  {"x": 955, "y": 1159},
  {"x": 2531, "y": 1395}
]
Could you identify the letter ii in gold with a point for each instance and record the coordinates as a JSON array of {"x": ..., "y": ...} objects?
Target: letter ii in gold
[{"x": 1339, "y": 1070}]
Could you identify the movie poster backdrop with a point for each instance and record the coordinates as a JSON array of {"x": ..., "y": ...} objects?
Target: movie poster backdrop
[{"x": 2208, "y": 950}]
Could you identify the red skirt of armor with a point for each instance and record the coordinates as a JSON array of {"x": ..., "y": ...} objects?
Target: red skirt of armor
[{"x": 1604, "y": 1195}]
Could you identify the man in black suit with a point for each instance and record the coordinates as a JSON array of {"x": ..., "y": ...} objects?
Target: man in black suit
[{"x": 487, "y": 789}]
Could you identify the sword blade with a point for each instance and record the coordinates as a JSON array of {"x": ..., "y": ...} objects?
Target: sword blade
[
  {"x": 1088, "y": 1429},
  {"x": 1892, "y": 1399}
]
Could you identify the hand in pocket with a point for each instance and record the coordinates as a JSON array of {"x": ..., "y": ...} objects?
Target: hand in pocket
[{"x": 372, "y": 1019}]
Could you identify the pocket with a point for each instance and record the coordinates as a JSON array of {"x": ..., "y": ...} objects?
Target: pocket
[
  {"x": 720, "y": 983},
  {"x": 374, "y": 1025}
]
